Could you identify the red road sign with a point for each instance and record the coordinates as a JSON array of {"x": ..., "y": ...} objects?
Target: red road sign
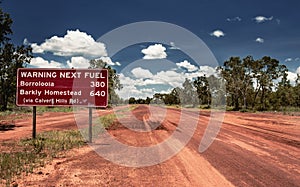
[{"x": 62, "y": 87}]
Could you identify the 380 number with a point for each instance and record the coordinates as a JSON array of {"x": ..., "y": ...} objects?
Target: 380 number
[{"x": 97, "y": 84}]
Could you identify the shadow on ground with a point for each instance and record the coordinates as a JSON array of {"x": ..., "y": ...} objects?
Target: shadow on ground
[{"x": 6, "y": 127}]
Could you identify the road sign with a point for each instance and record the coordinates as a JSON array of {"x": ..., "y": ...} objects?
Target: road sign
[{"x": 62, "y": 87}]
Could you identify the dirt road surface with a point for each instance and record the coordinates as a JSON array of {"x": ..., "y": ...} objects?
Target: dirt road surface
[{"x": 261, "y": 149}]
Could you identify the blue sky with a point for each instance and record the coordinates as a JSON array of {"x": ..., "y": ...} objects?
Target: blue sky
[{"x": 228, "y": 28}]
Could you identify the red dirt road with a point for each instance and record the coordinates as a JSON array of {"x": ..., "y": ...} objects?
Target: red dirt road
[{"x": 250, "y": 150}]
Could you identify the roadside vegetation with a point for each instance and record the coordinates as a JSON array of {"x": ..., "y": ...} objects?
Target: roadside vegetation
[
  {"x": 247, "y": 85},
  {"x": 99, "y": 126},
  {"x": 53, "y": 109},
  {"x": 23, "y": 156},
  {"x": 106, "y": 122}
]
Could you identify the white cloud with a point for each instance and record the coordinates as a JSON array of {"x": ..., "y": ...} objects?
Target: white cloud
[
  {"x": 26, "y": 42},
  {"x": 261, "y": 19},
  {"x": 234, "y": 19},
  {"x": 78, "y": 62},
  {"x": 130, "y": 88},
  {"x": 74, "y": 43},
  {"x": 217, "y": 33},
  {"x": 298, "y": 70},
  {"x": 207, "y": 70},
  {"x": 109, "y": 61},
  {"x": 259, "y": 40},
  {"x": 147, "y": 90},
  {"x": 39, "y": 62},
  {"x": 126, "y": 80},
  {"x": 173, "y": 46},
  {"x": 141, "y": 73},
  {"x": 36, "y": 48},
  {"x": 291, "y": 59},
  {"x": 203, "y": 70},
  {"x": 278, "y": 21},
  {"x": 156, "y": 51},
  {"x": 288, "y": 60},
  {"x": 187, "y": 65},
  {"x": 154, "y": 81},
  {"x": 143, "y": 83},
  {"x": 292, "y": 77},
  {"x": 131, "y": 91},
  {"x": 171, "y": 78}
]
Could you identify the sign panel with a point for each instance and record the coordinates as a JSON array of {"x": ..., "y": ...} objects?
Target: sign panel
[{"x": 62, "y": 87}]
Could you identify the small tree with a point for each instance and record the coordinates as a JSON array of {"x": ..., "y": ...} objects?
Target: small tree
[
  {"x": 297, "y": 92},
  {"x": 132, "y": 100},
  {"x": 11, "y": 58},
  {"x": 113, "y": 80},
  {"x": 188, "y": 94},
  {"x": 148, "y": 100},
  {"x": 265, "y": 71},
  {"x": 233, "y": 72},
  {"x": 202, "y": 87}
]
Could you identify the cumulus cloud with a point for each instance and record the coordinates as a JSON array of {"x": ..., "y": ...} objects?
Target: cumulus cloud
[
  {"x": 298, "y": 70},
  {"x": 156, "y": 51},
  {"x": 39, "y": 62},
  {"x": 78, "y": 62},
  {"x": 109, "y": 61},
  {"x": 207, "y": 70},
  {"x": 141, "y": 73},
  {"x": 261, "y": 19},
  {"x": 187, "y": 65},
  {"x": 132, "y": 91},
  {"x": 259, "y": 40},
  {"x": 74, "y": 43},
  {"x": 171, "y": 78},
  {"x": 148, "y": 90},
  {"x": 82, "y": 62},
  {"x": 288, "y": 60},
  {"x": 26, "y": 42},
  {"x": 143, "y": 83},
  {"x": 202, "y": 71},
  {"x": 292, "y": 59},
  {"x": 173, "y": 46},
  {"x": 291, "y": 76},
  {"x": 217, "y": 33},
  {"x": 134, "y": 87},
  {"x": 234, "y": 19}
]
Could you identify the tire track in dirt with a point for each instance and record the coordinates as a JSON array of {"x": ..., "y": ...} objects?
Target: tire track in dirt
[{"x": 253, "y": 155}]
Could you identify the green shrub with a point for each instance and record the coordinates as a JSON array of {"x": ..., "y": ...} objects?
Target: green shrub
[{"x": 27, "y": 154}]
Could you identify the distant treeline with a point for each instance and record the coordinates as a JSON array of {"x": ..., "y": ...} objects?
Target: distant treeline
[{"x": 241, "y": 84}]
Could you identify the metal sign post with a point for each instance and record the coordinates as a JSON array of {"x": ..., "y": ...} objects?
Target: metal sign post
[
  {"x": 34, "y": 122},
  {"x": 90, "y": 124}
]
